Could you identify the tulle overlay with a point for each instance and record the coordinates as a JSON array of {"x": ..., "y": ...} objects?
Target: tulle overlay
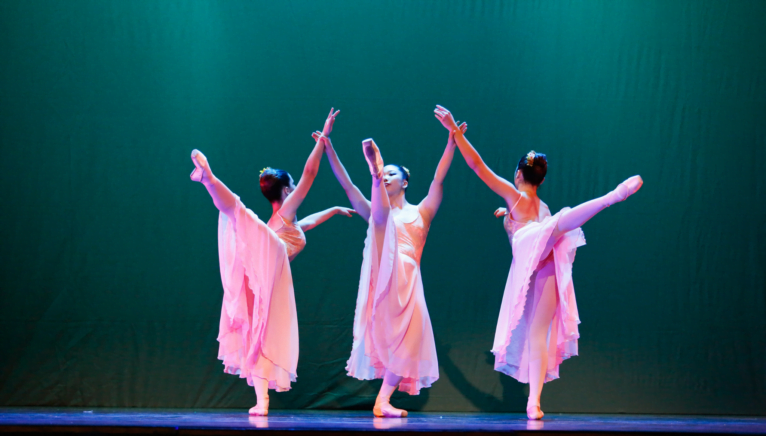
[
  {"x": 511, "y": 348},
  {"x": 392, "y": 328},
  {"x": 258, "y": 333}
]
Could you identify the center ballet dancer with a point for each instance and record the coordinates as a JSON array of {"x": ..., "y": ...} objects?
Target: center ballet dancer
[
  {"x": 258, "y": 333},
  {"x": 393, "y": 338},
  {"x": 537, "y": 327}
]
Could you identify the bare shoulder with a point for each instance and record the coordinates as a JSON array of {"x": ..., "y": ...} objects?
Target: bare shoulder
[
  {"x": 544, "y": 210},
  {"x": 412, "y": 211}
]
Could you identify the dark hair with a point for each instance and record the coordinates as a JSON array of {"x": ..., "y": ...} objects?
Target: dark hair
[
  {"x": 534, "y": 173},
  {"x": 272, "y": 183},
  {"x": 405, "y": 174}
]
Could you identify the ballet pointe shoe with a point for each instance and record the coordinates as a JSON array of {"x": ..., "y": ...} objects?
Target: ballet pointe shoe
[
  {"x": 386, "y": 410},
  {"x": 260, "y": 409},
  {"x": 372, "y": 155},
  {"x": 534, "y": 412},
  {"x": 624, "y": 190},
  {"x": 200, "y": 163}
]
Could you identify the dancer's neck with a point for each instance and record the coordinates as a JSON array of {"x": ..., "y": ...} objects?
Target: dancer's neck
[
  {"x": 398, "y": 201},
  {"x": 275, "y": 206},
  {"x": 528, "y": 189}
]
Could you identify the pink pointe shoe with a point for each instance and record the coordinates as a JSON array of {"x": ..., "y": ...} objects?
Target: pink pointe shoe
[
  {"x": 386, "y": 410},
  {"x": 624, "y": 190},
  {"x": 372, "y": 155},
  {"x": 260, "y": 409},
  {"x": 534, "y": 412},
  {"x": 200, "y": 163}
]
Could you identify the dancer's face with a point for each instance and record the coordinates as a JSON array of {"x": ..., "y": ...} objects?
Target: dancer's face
[{"x": 394, "y": 180}]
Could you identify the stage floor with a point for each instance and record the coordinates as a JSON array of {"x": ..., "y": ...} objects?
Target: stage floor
[{"x": 190, "y": 421}]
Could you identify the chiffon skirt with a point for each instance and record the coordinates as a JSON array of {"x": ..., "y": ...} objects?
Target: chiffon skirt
[
  {"x": 258, "y": 332},
  {"x": 511, "y": 347},
  {"x": 392, "y": 328}
]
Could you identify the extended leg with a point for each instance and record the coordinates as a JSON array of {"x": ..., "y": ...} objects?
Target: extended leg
[
  {"x": 579, "y": 215},
  {"x": 383, "y": 407},
  {"x": 380, "y": 206},
  {"x": 538, "y": 336},
  {"x": 223, "y": 198},
  {"x": 262, "y": 394}
]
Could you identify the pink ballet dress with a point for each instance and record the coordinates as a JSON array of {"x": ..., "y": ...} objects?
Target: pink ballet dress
[
  {"x": 528, "y": 240},
  {"x": 258, "y": 333},
  {"x": 392, "y": 329}
]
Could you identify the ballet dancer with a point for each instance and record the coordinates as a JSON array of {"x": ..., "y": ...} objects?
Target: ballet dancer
[
  {"x": 393, "y": 338},
  {"x": 258, "y": 333},
  {"x": 538, "y": 302}
]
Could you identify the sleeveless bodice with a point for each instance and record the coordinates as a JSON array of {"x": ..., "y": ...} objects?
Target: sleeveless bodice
[
  {"x": 411, "y": 233},
  {"x": 512, "y": 226},
  {"x": 290, "y": 233},
  {"x": 392, "y": 327}
]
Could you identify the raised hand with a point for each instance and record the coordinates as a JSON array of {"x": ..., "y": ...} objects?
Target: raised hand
[
  {"x": 329, "y": 122},
  {"x": 501, "y": 212},
  {"x": 451, "y": 141},
  {"x": 445, "y": 117}
]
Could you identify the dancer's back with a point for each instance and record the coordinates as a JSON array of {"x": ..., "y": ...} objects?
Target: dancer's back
[{"x": 526, "y": 209}]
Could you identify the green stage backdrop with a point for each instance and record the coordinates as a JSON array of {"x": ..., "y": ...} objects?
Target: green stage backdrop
[{"x": 109, "y": 276}]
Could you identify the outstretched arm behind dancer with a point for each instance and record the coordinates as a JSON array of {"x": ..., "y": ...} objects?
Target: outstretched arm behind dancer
[
  {"x": 499, "y": 185},
  {"x": 318, "y": 218}
]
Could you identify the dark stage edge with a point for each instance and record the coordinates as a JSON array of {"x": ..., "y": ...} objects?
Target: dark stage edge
[{"x": 291, "y": 422}]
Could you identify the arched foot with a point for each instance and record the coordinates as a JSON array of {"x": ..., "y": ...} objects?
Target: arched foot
[
  {"x": 372, "y": 155},
  {"x": 200, "y": 164},
  {"x": 625, "y": 190}
]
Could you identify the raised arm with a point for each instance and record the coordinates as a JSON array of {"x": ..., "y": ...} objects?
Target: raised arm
[
  {"x": 290, "y": 206},
  {"x": 223, "y": 198},
  {"x": 430, "y": 205},
  {"x": 318, "y": 218},
  {"x": 360, "y": 204},
  {"x": 499, "y": 185}
]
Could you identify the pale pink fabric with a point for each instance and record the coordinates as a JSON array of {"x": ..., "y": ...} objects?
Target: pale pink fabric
[
  {"x": 290, "y": 233},
  {"x": 392, "y": 328},
  {"x": 511, "y": 348},
  {"x": 258, "y": 333}
]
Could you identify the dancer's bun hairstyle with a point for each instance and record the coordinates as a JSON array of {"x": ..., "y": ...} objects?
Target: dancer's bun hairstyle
[
  {"x": 534, "y": 167},
  {"x": 272, "y": 183}
]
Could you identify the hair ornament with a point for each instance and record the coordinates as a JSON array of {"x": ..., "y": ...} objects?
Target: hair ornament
[
  {"x": 531, "y": 158},
  {"x": 267, "y": 168},
  {"x": 406, "y": 171}
]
